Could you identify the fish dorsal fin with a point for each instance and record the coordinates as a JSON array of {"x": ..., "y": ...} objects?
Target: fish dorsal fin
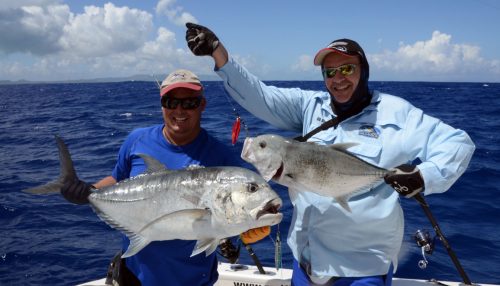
[
  {"x": 194, "y": 167},
  {"x": 342, "y": 146},
  {"x": 153, "y": 165},
  {"x": 208, "y": 245}
]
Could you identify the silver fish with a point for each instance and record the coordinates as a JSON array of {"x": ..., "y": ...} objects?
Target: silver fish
[
  {"x": 328, "y": 170},
  {"x": 196, "y": 203}
]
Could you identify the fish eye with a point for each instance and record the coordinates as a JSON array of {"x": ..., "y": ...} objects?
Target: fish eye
[
  {"x": 252, "y": 187},
  {"x": 262, "y": 144}
]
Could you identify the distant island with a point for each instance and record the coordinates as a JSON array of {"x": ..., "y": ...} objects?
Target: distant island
[{"x": 107, "y": 79}]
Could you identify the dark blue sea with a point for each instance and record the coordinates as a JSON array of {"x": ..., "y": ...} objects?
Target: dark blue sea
[{"x": 45, "y": 240}]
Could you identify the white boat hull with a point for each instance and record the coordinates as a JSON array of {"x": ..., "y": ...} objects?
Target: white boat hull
[{"x": 245, "y": 275}]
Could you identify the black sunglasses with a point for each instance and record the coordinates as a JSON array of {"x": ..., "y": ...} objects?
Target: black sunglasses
[{"x": 186, "y": 103}]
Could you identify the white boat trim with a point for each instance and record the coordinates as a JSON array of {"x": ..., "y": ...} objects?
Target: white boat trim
[{"x": 248, "y": 275}]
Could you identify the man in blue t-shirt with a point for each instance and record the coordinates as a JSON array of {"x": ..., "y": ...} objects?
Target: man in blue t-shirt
[{"x": 177, "y": 143}]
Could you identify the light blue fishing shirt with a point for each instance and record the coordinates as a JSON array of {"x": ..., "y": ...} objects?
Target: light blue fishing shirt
[{"x": 389, "y": 132}]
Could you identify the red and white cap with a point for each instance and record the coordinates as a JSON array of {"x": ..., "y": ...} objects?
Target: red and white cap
[
  {"x": 180, "y": 78},
  {"x": 342, "y": 46}
]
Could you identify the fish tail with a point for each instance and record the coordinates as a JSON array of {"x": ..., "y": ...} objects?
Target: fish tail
[{"x": 67, "y": 172}]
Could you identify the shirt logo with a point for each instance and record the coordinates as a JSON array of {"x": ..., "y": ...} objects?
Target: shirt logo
[{"x": 369, "y": 131}]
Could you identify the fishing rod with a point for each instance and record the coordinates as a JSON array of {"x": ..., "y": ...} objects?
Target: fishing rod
[
  {"x": 254, "y": 257},
  {"x": 420, "y": 199}
]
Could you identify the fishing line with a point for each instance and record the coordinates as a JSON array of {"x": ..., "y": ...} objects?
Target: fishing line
[{"x": 237, "y": 123}]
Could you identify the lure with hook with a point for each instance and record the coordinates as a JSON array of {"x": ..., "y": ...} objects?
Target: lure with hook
[
  {"x": 277, "y": 251},
  {"x": 236, "y": 130}
]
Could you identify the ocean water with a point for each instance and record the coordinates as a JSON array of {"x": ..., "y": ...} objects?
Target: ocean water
[{"x": 46, "y": 241}]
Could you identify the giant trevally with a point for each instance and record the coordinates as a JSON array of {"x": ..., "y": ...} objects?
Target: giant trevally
[
  {"x": 196, "y": 203},
  {"x": 328, "y": 170}
]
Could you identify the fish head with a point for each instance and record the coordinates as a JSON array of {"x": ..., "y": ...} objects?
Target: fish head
[
  {"x": 266, "y": 153},
  {"x": 244, "y": 201}
]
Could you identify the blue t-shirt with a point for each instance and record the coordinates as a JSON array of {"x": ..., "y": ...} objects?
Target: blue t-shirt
[{"x": 169, "y": 262}]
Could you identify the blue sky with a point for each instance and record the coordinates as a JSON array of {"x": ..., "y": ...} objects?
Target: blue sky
[{"x": 447, "y": 40}]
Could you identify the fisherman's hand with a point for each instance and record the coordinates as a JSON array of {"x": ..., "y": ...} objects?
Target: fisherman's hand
[
  {"x": 255, "y": 234},
  {"x": 77, "y": 191},
  {"x": 229, "y": 251},
  {"x": 200, "y": 40},
  {"x": 406, "y": 180}
]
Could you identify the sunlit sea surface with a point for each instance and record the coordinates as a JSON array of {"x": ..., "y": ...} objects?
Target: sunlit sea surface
[{"x": 45, "y": 240}]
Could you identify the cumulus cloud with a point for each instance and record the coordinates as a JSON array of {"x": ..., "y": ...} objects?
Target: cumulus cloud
[
  {"x": 432, "y": 59},
  {"x": 304, "y": 63},
  {"x": 33, "y": 29},
  {"x": 100, "y": 31},
  {"x": 175, "y": 13},
  {"x": 14, "y": 4},
  {"x": 44, "y": 40}
]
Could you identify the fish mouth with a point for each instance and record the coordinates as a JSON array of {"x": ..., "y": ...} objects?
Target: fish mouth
[
  {"x": 278, "y": 173},
  {"x": 272, "y": 207}
]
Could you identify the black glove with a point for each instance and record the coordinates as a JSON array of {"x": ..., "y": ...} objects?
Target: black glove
[
  {"x": 229, "y": 251},
  {"x": 406, "y": 180},
  {"x": 200, "y": 40},
  {"x": 77, "y": 191}
]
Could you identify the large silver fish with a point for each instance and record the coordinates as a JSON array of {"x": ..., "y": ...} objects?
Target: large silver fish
[
  {"x": 203, "y": 204},
  {"x": 328, "y": 170}
]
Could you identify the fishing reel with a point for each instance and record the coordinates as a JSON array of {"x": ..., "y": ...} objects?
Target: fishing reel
[{"x": 424, "y": 241}]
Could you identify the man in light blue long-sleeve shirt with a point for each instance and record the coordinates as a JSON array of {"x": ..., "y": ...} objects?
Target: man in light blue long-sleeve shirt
[{"x": 331, "y": 245}]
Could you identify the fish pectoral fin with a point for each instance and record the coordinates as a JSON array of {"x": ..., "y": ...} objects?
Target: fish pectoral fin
[
  {"x": 342, "y": 201},
  {"x": 137, "y": 243},
  {"x": 153, "y": 165},
  {"x": 208, "y": 245},
  {"x": 179, "y": 219},
  {"x": 342, "y": 146}
]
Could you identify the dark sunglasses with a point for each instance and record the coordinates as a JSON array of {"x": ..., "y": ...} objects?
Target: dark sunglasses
[
  {"x": 186, "y": 103},
  {"x": 345, "y": 70}
]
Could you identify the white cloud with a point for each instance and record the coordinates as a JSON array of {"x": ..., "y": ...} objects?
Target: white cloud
[
  {"x": 107, "y": 30},
  {"x": 16, "y": 4},
  {"x": 304, "y": 63},
  {"x": 33, "y": 29},
  {"x": 175, "y": 14},
  {"x": 49, "y": 42},
  {"x": 433, "y": 59}
]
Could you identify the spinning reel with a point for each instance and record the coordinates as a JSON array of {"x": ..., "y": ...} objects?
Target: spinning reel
[{"x": 424, "y": 241}]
